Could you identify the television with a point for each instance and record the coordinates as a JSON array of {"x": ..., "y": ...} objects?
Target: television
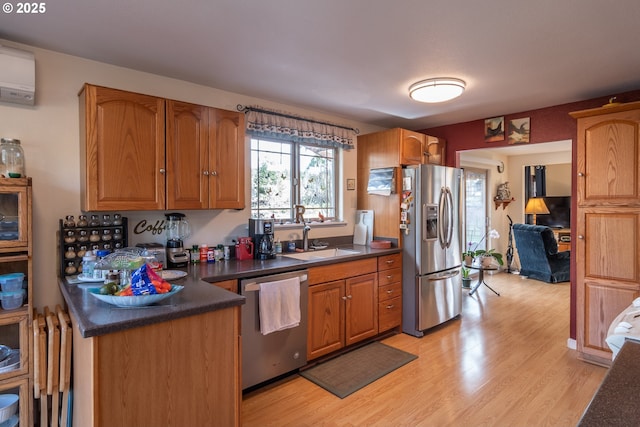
[{"x": 560, "y": 212}]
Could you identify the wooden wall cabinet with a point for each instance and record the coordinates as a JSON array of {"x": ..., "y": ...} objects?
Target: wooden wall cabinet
[
  {"x": 608, "y": 223},
  {"x": 343, "y": 306},
  {"x": 140, "y": 152},
  {"x": 16, "y": 257},
  {"x": 385, "y": 149},
  {"x": 205, "y": 157}
]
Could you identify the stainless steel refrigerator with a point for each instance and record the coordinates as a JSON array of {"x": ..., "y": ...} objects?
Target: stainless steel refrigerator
[{"x": 432, "y": 217}]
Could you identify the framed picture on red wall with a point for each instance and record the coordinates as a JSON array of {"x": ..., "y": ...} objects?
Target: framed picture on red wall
[
  {"x": 494, "y": 129},
  {"x": 519, "y": 131}
]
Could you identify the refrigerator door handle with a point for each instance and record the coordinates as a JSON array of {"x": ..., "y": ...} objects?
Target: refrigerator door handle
[
  {"x": 443, "y": 276},
  {"x": 442, "y": 219},
  {"x": 450, "y": 221}
]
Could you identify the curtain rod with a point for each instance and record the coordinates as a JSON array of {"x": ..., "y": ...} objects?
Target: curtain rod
[{"x": 243, "y": 108}]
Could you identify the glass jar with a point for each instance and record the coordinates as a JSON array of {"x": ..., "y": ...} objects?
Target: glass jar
[
  {"x": 69, "y": 222},
  {"x": 95, "y": 221},
  {"x": 11, "y": 158},
  {"x": 82, "y": 221}
]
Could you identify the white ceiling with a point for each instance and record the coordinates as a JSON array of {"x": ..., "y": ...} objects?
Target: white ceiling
[{"x": 357, "y": 58}]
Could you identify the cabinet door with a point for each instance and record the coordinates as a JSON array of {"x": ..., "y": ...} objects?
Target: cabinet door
[
  {"x": 608, "y": 159},
  {"x": 411, "y": 147},
  {"x": 326, "y": 318},
  {"x": 122, "y": 150},
  {"x": 434, "y": 150},
  {"x": 226, "y": 159},
  {"x": 361, "y": 319},
  {"x": 15, "y": 210},
  {"x": 187, "y": 149},
  {"x": 607, "y": 273}
]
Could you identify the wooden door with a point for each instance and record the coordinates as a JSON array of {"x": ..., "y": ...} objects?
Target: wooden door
[
  {"x": 187, "y": 148},
  {"x": 434, "y": 150},
  {"x": 326, "y": 318},
  {"x": 411, "y": 147},
  {"x": 121, "y": 150},
  {"x": 361, "y": 317},
  {"x": 226, "y": 159}
]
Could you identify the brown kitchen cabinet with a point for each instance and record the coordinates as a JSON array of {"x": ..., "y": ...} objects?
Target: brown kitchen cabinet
[
  {"x": 205, "y": 157},
  {"x": 608, "y": 223},
  {"x": 389, "y": 292},
  {"x": 392, "y": 148},
  {"x": 145, "y": 376},
  {"x": 343, "y": 306},
  {"x": 16, "y": 257},
  {"x": 140, "y": 152}
]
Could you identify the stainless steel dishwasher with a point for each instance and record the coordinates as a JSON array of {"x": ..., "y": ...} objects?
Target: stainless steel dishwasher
[{"x": 268, "y": 356}]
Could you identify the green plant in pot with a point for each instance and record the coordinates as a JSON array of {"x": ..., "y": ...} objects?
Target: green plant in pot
[
  {"x": 466, "y": 279},
  {"x": 485, "y": 256}
]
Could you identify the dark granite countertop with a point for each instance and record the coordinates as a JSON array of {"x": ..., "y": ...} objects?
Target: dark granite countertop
[
  {"x": 95, "y": 318},
  {"x": 615, "y": 403}
]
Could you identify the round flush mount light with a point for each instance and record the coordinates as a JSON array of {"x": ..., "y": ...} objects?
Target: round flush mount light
[{"x": 437, "y": 90}]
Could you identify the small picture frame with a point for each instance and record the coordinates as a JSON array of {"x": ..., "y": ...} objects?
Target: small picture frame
[
  {"x": 494, "y": 129},
  {"x": 351, "y": 184},
  {"x": 519, "y": 131}
]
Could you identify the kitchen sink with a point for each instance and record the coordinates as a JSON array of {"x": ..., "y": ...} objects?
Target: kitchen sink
[{"x": 323, "y": 254}]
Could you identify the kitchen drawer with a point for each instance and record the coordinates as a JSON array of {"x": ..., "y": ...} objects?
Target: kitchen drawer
[
  {"x": 389, "y": 276},
  {"x": 387, "y": 262},
  {"x": 389, "y": 291},
  {"x": 389, "y": 314}
]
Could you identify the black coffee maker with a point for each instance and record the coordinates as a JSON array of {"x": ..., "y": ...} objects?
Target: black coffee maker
[{"x": 261, "y": 230}]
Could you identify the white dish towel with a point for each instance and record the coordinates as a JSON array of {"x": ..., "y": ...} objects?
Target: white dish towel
[{"x": 279, "y": 305}]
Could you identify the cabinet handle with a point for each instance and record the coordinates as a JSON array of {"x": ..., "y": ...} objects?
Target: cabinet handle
[
  {"x": 390, "y": 261},
  {"x": 344, "y": 298},
  {"x": 214, "y": 173},
  {"x": 390, "y": 276},
  {"x": 349, "y": 296},
  {"x": 580, "y": 174},
  {"x": 162, "y": 171},
  {"x": 205, "y": 173},
  {"x": 389, "y": 307},
  {"x": 580, "y": 236},
  {"x": 389, "y": 291}
]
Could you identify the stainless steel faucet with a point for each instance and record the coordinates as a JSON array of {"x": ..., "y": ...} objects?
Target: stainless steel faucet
[{"x": 305, "y": 237}]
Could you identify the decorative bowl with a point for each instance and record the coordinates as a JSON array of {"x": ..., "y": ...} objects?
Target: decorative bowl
[
  {"x": 8, "y": 406},
  {"x": 135, "y": 300}
]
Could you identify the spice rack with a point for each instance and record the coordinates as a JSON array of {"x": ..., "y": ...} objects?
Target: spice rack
[{"x": 74, "y": 241}]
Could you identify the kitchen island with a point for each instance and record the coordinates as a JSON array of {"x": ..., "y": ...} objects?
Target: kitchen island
[
  {"x": 175, "y": 363},
  {"x": 172, "y": 364}
]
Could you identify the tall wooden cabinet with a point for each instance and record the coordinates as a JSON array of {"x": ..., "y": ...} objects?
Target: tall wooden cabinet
[
  {"x": 608, "y": 222},
  {"x": 392, "y": 148},
  {"x": 140, "y": 152},
  {"x": 15, "y": 324}
]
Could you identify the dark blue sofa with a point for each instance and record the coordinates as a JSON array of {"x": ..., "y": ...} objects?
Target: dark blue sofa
[{"x": 538, "y": 253}]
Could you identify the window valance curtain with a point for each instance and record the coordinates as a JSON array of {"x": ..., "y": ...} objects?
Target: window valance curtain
[{"x": 262, "y": 123}]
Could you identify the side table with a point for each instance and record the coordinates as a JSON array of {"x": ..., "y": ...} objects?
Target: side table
[{"x": 481, "y": 269}]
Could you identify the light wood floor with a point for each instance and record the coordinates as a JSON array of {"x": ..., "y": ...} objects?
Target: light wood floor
[{"x": 505, "y": 362}]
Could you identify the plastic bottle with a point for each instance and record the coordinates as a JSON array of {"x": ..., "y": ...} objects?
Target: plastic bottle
[
  {"x": 195, "y": 254},
  {"x": 204, "y": 249},
  {"x": 278, "y": 247},
  {"x": 98, "y": 273},
  {"x": 88, "y": 264}
]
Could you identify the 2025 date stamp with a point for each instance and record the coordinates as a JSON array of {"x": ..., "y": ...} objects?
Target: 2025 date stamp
[{"x": 20, "y": 8}]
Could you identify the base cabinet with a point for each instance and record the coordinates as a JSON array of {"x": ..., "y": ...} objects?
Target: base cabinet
[
  {"x": 144, "y": 376},
  {"x": 352, "y": 301}
]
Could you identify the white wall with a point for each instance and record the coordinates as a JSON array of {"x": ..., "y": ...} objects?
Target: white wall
[{"x": 49, "y": 133}]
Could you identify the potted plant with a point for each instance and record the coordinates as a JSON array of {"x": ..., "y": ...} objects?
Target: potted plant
[
  {"x": 466, "y": 280},
  {"x": 468, "y": 255},
  {"x": 487, "y": 257}
]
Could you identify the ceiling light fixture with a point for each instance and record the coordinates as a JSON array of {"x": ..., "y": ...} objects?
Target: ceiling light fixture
[{"x": 437, "y": 90}]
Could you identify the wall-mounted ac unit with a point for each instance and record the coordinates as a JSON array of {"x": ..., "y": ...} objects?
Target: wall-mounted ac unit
[{"x": 17, "y": 76}]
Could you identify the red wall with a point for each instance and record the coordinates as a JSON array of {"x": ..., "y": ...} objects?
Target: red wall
[{"x": 547, "y": 125}]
